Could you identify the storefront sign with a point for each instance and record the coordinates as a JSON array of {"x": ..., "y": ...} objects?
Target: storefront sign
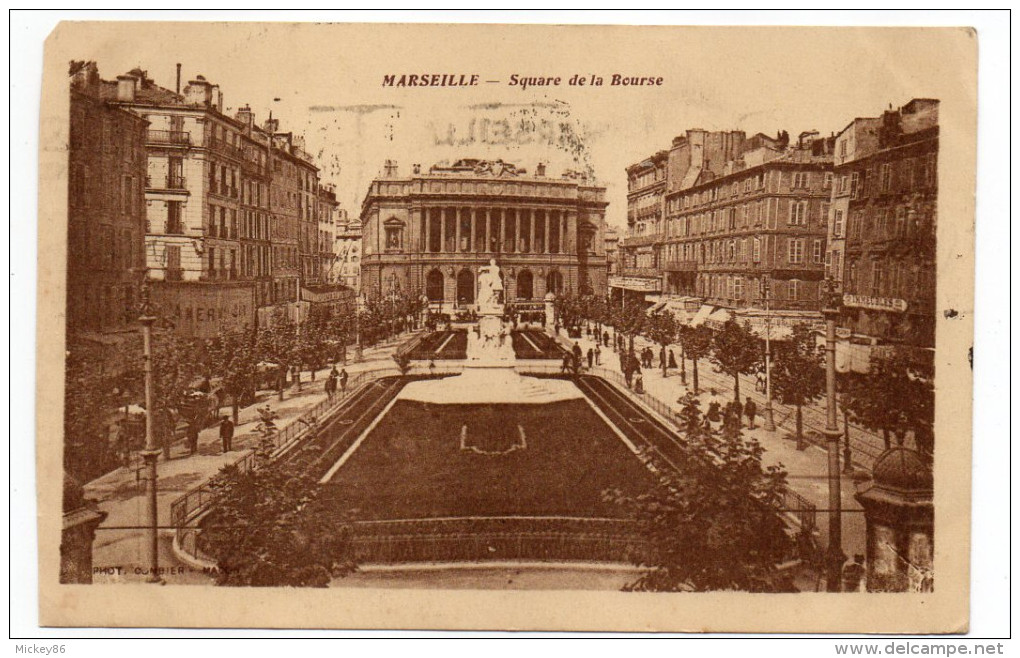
[
  {"x": 204, "y": 311},
  {"x": 635, "y": 283},
  {"x": 875, "y": 303}
]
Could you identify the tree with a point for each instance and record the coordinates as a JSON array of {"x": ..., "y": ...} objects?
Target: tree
[
  {"x": 273, "y": 526},
  {"x": 736, "y": 351},
  {"x": 697, "y": 343},
  {"x": 232, "y": 358},
  {"x": 276, "y": 344},
  {"x": 798, "y": 375},
  {"x": 177, "y": 364},
  {"x": 662, "y": 328},
  {"x": 712, "y": 520},
  {"x": 896, "y": 397},
  {"x": 629, "y": 320},
  {"x": 92, "y": 394}
]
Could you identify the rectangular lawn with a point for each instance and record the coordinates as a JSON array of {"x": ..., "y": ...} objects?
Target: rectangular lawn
[{"x": 412, "y": 464}]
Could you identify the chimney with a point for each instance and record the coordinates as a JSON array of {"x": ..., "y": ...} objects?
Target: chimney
[
  {"x": 272, "y": 125},
  {"x": 126, "y": 88},
  {"x": 540, "y": 170},
  {"x": 417, "y": 168},
  {"x": 198, "y": 92},
  {"x": 216, "y": 97},
  {"x": 178, "y": 90},
  {"x": 246, "y": 116},
  {"x": 390, "y": 169}
]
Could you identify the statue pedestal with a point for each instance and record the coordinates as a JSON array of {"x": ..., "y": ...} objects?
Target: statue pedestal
[{"x": 492, "y": 345}]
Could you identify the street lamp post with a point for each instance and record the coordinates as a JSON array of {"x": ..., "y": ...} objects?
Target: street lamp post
[
  {"x": 151, "y": 452},
  {"x": 832, "y": 435},
  {"x": 357, "y": 329},
  {"x": 768, "y": 419}
]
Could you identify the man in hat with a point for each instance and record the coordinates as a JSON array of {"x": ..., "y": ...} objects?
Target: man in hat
[{"x": 226, "y": 433}]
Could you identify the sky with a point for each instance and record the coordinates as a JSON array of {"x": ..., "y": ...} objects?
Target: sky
[{"x": 325, "y": 81}]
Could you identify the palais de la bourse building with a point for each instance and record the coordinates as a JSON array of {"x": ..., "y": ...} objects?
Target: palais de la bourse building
[{"x": 428, "y": 233}]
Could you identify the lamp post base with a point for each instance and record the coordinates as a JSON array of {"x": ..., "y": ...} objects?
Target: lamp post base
[
  {"x": 151, "y": 456},
  {"x": 768, "y": 420}
]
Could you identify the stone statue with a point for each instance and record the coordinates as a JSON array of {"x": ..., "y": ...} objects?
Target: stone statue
[{"x": 490, "y": 286}]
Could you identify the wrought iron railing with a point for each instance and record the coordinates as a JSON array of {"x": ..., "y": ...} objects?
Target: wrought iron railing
[
  {"x": 499, "y": 538},
  {"x": 197, "y": 500},
  {"x": 172, "y": 137}
]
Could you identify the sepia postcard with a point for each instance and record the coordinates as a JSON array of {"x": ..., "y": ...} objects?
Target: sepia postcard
[{"x": 509, "y": 327}]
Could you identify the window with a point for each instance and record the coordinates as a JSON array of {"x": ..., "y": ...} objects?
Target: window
[
  {"x": 212, "y": 262},
  {"x": 878, "y": 280},
  {"x": 837, "y": 224},
  {"x": 747, "y": 185},
  {"x": 882, "y": 223},
  {"x": 798, "y": 213},
  {"x": 793, "y": 290},
  {"x": 732, "y": 251},
  {"x": 174, "y": 224},
  {"x": 854, "y": 180},
  {"x": 843, "y": 185},
  {"x": 828, "y": 180},
  {"x": 795, "y": 250},
  {"x": 816, "y": 254},
  {"x": 886, "y": 177},
  {"x": 125, "y": 194},
  {"x": 800, "y": 179},
  {"x": 756, "y": 250},
  {"x": 901, "y": 220}
]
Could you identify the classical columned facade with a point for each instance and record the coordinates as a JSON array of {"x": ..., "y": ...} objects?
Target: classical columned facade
[{"x": 429, "y": 233}]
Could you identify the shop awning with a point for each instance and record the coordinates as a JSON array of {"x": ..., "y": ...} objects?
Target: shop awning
[
  {"x": 719, "y": 317},
  {"x": 655, "y": 308},
  {"x": 702, "y": 315}
]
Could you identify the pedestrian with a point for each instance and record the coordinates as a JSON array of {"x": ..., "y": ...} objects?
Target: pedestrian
[
  {"x": 343, "y": 381},
  {"x": 566, "y": 362},
  {"x": 712, "y": 415},
  {"x": 639, "y": 382},
  {"x": 662, "y": 357},
  {"x": 333, "y": 372},
  {"x": 330, "y": 386},
  {"x": 598, "y": 355},
  {"x": 591, "y": 357},
  {"x": 576, "y": 349},
  {"x": 672, "y": 361},
  {"x": 750, "y": 410},
  {"x": 605, "y": 338},
  {"x": 192, "y": 437},
  {"x": 226, "y": 433}
]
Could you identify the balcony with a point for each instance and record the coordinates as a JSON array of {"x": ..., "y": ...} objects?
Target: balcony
[
  {"x": 227, "y": 149},
  {"x": 680, "y": 266},
  {"x": 171, "y": 182},
  {"x": 253, "y": 168},
  {"x": 641, "y": 240},
  {"x": 648, "y": 272},
  {"x": 168, "y": 138}
]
